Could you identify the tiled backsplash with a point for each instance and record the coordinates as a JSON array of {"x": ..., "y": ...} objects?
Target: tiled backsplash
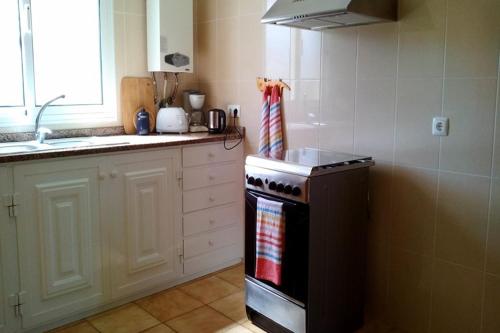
[{"x": 435, "y": 230}]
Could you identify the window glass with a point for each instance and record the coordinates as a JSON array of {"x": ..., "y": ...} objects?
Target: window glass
[
  {"x": 11, "y": 66},
  {"x": 67, "y": 52}
]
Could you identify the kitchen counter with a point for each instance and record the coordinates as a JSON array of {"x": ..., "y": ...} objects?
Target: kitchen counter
[{"x": 115, "y": 143}]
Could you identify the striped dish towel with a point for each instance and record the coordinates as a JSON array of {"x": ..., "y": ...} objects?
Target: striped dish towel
[
  {"x": 275, "y": 127},
  {"x": 270, "y": 240},
  {"x": 264, "y": 124}
]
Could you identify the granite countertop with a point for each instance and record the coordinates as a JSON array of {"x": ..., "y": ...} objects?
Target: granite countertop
[{"x": 116, "y": 143}]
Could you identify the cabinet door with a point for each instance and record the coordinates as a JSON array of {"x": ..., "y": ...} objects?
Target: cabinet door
[
  {"x": 9, "y": 285},
  {"x": 145, "y": 234},
  {"x": 59, "y": 238}
]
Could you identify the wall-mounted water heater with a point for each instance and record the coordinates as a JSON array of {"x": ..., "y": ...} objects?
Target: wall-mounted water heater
[{"x": 170, "y": 36}]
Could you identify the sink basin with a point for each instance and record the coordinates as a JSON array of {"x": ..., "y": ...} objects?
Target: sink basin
[
  {"x": 17, "y": 149},
  {"x": 70, "y": 144}
]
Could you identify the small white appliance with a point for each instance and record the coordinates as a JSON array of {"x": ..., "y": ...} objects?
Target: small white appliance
[
  {"x": 170, "y": 36},
  {"x": 172, "y": 120}
]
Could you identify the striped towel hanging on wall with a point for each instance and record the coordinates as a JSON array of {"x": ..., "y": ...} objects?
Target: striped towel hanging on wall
[
  {"x": 271, "y": 132},
  {"x": 275, "y": 126},
  {"x": 264, "y": 124},
  {"x": 270, "y": 240}
]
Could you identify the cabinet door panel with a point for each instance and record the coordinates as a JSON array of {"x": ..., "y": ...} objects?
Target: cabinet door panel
[
  {"x": 144, "y": 193},
  {"x": 146, "y": 221},
  {"x": 65, "y": 236},
  {"x": 59, "y": 238},
  {"x": 9, "y": 279}
]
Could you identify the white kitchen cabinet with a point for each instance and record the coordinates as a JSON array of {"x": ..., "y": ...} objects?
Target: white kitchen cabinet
[
  {"x": 144, "y": 205},
  {"x": 77, "y": 234},
  {"x": 59, "y": 238}
]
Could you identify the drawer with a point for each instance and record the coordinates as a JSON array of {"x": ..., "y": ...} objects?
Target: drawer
[
  {"x": 213, "y": 218},
  {"x": 208, "y": 154},
  {"x": 195, "y": 246},
  {"x": 211, "y": 175},
  {"x": 214, "y": 259},
  {"x": 211, "y": 196}
]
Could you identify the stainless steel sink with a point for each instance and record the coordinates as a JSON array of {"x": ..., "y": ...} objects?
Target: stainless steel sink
[
  {"x": 18, "y": 148},
  {"x": 70, "y": 144},
  {"x": 33, "y": 146}
]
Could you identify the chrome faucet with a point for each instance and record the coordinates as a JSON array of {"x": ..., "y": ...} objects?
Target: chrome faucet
[{"x": 41, "y": 132}]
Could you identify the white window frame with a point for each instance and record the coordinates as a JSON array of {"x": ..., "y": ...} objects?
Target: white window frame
[{"x": 21, "y": 119}]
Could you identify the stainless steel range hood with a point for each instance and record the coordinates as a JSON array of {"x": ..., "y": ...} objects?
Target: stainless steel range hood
[{"x": 329, "y": 14}]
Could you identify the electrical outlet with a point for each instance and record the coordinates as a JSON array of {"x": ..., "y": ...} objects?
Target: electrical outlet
[
  {"x": 440, "y": 126},
  {"x": 231, "y": 108}
]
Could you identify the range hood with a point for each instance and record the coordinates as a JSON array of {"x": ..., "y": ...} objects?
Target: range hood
[{"x": 329, "y": 14}]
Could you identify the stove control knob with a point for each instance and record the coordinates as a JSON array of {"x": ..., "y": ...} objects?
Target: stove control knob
[
  {"x": 296, "y": 191},
  {"x": 288, "y": 189},
  {"x": 250, "y": 181},
  {"x": 272, "y": 186},
  {"x": 280, "y": 188},
  {"x": 258, "y": 182}
]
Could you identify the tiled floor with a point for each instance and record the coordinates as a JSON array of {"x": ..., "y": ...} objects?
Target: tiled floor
[
  {"x": 208, "y": 305},
  {"x": 212, "y": 304}
]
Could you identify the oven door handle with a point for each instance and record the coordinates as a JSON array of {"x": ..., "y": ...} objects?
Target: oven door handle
[{"x": 267, "y": 197}]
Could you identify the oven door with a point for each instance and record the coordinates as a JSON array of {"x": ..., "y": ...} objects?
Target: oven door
[{"x": 295, "y": 256}]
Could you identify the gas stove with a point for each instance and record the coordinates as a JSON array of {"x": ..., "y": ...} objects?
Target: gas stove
[{"x": 288, "y": 176}]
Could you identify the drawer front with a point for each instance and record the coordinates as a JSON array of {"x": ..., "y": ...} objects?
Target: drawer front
[
  {"x": 213, "y": 259},
  {"x": 208, "y": 154},
  {"x": 213, "y": 218},
  {"x": 195, "y": 246},
  {"x": 211, "y": 175},
  {"x": 211, "y": 197}
]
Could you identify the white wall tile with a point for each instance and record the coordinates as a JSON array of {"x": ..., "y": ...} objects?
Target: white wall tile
[
  {"x": 456, "y": 301},
  {"x": 470, "y": 105},
  {"x": 374, "y": 118},
  {"x": 377, "y": 53},
  {"x": 422, "y": 38},
  {"x": 462, "y": 218}
]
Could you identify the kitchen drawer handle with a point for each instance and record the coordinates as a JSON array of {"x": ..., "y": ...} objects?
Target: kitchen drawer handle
[
  {"x": 211, "y": 199},
  {"x": 210, "y": 243},
  {"x": 102, "y": 175},
  {"x": 211, "y": 155},
  {"x": 211, "y": 222},
  {"x": 114, "y": 174},
  {"x": 211, "y": 178}
]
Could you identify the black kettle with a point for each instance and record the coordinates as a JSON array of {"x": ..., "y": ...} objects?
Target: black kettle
[{"x": 216, "y": 121}]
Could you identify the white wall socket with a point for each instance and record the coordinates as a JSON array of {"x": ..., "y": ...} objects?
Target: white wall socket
[
  {"x": 440, "y": 126},
  {"x": 231, "y": 108}
]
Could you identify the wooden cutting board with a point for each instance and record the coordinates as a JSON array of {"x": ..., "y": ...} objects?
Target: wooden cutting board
[{"x": 137, "y": 92}]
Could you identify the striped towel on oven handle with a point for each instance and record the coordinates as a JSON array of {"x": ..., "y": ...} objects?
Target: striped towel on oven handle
[{"x": 270, "y": 240}]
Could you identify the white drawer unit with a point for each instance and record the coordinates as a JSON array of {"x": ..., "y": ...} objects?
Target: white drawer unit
[
  {"x": 211, "y": 196},
  {"x": 211, "y": 219},
  {"x": 212, "y": 199},
  {"x": 211, "y": 175},
  {"x": 209, "y": 154},
  {"x": 207, "y": 242}
]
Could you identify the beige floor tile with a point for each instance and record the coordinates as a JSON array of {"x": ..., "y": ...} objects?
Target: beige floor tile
[
  {"x": 79, "y": 327},
  {"x": 234, "y": 275},
  {"x": 169, "y": 304},
  {"x": 126, "y": 319},
  {"x": 209, "y": 289},
  {"x": 204, "y": 319},
  {"x": 248, "y": 324},
  {"x": 159, "y": 329},
  {"x": 232, "y": 306}
]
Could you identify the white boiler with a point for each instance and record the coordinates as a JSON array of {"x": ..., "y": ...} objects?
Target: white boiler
[{"x": 170, "y": 36}]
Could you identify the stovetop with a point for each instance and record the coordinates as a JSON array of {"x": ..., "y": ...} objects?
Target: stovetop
[{"x": 309, "y": 161}]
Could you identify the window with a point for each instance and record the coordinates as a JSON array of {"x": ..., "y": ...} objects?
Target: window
[{"x": 52, "y": 48}]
